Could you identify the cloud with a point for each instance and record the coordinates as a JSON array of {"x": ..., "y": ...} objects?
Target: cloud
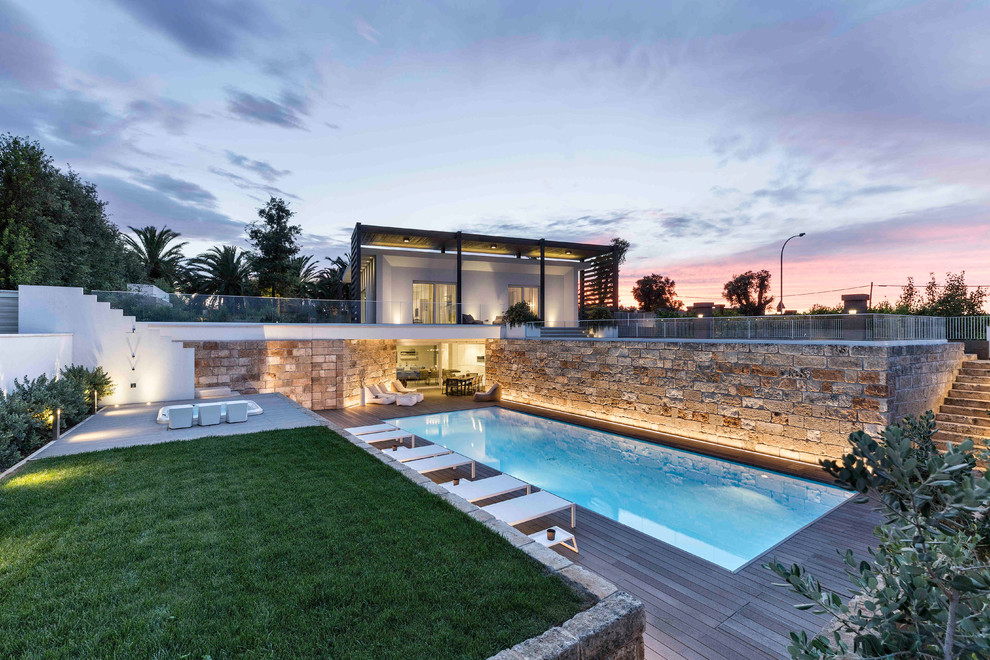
[
  {"x": 259, "y": 167},
  {"x": 24, "y": 57},
  {"x": 180, "y": 190},
  {"x": 366, "y": 30},
  {"x": 173, "y": 116},
  {"x": 262, "y": 110},
  {"x": 208, "y": 28},
  {"x": 132, "y": 205},
  {"x": 247, "y": 184}
]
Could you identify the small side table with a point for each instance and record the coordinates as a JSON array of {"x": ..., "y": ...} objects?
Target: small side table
[{"x": 562, "y": 537}]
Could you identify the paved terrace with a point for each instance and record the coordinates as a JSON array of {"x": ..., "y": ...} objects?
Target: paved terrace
[
  {"x": 132, "y": 425},
  {"x": 695, "y": 610}
]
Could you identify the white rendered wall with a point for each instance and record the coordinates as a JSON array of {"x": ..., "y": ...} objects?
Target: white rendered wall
[
  {"x": 31, "y": 355},
  {"x": 159, "y": 368},
  {"x": 303, "y": 331},
  {"x": 486, "y": 282}
]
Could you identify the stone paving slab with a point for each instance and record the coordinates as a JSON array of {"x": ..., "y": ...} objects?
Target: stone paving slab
[{"x": 133, "y": 425}]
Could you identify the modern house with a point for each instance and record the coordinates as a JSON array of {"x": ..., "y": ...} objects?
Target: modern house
[{"x": 440, "y": 278}]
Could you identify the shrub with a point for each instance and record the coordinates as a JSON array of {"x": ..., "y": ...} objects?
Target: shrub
[
  {"x": 90, "y": 380},
  {"x": 27, "y": 412},
  {"x": 925, "y": 593},
  {"x": 519, "y": 314}
]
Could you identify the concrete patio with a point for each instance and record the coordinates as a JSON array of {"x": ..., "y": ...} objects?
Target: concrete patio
[{"x": 132, "y": 425}]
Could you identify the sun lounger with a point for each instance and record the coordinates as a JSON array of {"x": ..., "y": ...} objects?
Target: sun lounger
[
  {"x": 209, "y": 414},
  {"x": 180, "y": 417},
  {"x": 399, "y": 388},
  {"x": 372, "y": 428},
  {"x": 445, "y": 462},
  {"x": 396, "y": 435},
  {"x": 373, "y": 395},
  {"x": 404, "y": 454},
  {"x": 482, "y": 489},
  {"x": 493, "y": 394},
  {"x": 529, "y": 507}
]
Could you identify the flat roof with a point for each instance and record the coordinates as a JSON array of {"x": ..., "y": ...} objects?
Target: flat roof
[{"x": 446, "y": 241}]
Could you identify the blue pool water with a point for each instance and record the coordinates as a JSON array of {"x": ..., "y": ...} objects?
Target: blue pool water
[{"x": 718, "y": 510}]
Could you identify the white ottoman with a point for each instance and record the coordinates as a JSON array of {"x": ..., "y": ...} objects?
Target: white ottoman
[{"x": 406, "y": 399}]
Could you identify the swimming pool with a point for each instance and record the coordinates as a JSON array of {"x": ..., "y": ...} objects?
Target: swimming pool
[{"x": 721, "y": 511}]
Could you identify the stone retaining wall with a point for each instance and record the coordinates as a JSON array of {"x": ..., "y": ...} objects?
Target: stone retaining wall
[
  {"x": 793, "y": 400},
  {"x": 319, "y": 374}
]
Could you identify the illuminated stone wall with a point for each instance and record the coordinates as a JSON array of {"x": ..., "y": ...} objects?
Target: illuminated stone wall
[
  {"x": 794, "y": 400},
  {"x": 319, "y": 374}
]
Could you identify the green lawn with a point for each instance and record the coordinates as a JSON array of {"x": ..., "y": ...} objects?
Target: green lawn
[{"x": 286, "y": 544}]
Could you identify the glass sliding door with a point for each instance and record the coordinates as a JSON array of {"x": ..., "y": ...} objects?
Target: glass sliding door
[
  {"x": 434, "y": 302},
  {"x": 528, "y": 294}
]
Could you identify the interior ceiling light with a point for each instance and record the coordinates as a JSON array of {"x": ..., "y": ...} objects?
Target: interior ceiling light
[
  {"x": 494, "y": 246},
  {"x": 405, "y": 239}
]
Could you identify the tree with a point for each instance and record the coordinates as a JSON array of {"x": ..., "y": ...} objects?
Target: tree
[
  {"x": 330, "y": 284},
  {"x": 655, "y": 293},
  {"x": 160, "y": 258},
  {"x": 748, "y": 292},
  {"x": 925, "y": 592},
  {"x": 275, "y": 244},
  {"x": 519, "y": 314},
  {"x": 54, "y": 229},
  {"x": 223, "y": 271},
  {"x": 306, "y": 274},
  {"x": 950, "y": 299}
]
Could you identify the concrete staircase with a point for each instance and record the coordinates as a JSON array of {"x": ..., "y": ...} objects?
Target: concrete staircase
[
  {"x": 563, "y": 333},
  {"x": 964, "y": 412}
]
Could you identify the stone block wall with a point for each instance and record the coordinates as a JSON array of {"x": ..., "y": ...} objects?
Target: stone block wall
[
  {"x": 318, "y": 374},
  {"x": 793, "y": 400}
]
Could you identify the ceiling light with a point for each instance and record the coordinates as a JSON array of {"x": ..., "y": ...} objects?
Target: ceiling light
[
  {"x": 405, "y": 239},
  {"x": 567, "y": 251},
  {"x": 493, "y": 246}
]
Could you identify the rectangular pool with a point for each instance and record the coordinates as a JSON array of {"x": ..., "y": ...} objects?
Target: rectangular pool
[{"x": 721, "y": 511}]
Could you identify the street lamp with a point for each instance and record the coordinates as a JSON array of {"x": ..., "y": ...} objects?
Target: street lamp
[{"x": 780, "y": 305}]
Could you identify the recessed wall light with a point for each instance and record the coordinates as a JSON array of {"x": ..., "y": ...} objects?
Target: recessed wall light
[
  {"x": 493, "y": 246},
  {"x": 567, "y": 251},
  {"x": 405, "y": 239}
]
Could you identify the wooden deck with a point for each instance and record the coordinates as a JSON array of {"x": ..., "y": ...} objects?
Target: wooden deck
[{"x": 694, "y": 609}]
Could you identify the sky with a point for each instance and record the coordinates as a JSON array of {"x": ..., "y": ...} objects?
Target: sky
[{"x": 703, "y": 133}]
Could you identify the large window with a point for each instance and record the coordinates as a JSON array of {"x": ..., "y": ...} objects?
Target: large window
[
  {"x": 529, "y": 294},
  {"x": 434, "y": 302}
]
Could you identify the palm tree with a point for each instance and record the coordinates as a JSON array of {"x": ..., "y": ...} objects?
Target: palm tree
[
  {"x": 223, "y": 271},
  {"x": 159, "y": 258},
  {"x": 330, "y": 284},
  {"x": 304, "y": 270}
]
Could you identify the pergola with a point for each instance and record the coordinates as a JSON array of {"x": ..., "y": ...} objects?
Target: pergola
[{"x": 599, "y": 281}]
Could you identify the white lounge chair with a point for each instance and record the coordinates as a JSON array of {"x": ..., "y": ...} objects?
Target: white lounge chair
[
  {"x": 372, "y": 428},
  {"x": 482, "y": 489},
  {"x": 399, "y": 388},
  {"x": 237, "y": 412},
  {"x": 209, "y": 413},
  {"x": 404, "y": 454},
  {"x": 529, "y": 507},
  {"x": 180, "y": 417},
  {"x": 385, "y": 436},
  {"x": 373, "y": 395},
  {"x": 445, "y": 462}
]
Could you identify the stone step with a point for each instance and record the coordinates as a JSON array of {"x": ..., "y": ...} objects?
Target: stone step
[
  {"x": 983, "y": 365},
  {"x": 212, "y": 392},
  {"x": 967, "y": 410},
  {"x": 956, "y": 438},
  {"x": 974, "y": 380},
  {"x": 968, "y": 389},
  {"x": 966, "y": 420},
  {"x": 975, "y": 368},
  {"x": 968, "y": 430}
]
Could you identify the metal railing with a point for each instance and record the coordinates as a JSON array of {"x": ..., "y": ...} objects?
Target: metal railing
[
  {"x": 825, "y": 327},
  {"x": 967, "y": 327},
  {"x": 210, "y": 308}
]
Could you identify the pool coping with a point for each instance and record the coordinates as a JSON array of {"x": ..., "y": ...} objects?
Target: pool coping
[{"x": 612, "y": 628}]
